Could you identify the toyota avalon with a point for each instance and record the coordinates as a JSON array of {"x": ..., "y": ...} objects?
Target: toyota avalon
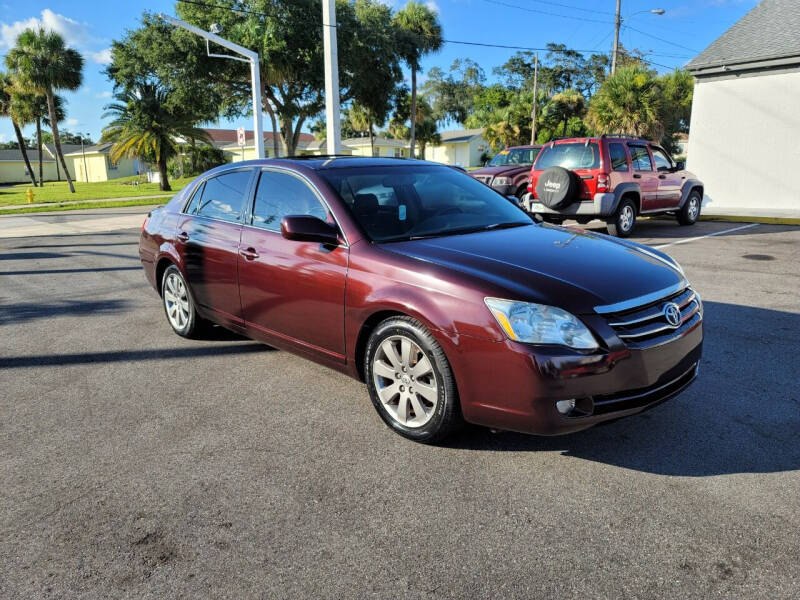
[{"x": 446, "y": 300}]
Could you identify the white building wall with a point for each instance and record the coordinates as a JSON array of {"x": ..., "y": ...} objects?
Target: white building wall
[{"x": 744, "y": 144}]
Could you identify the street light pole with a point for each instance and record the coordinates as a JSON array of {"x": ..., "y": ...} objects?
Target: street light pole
[
  {"x": 617, "y": 22},
  {"x": 535, "y": 89},
  {"x": 255, "y": 73},
  {"x": 334, "y": 133}
]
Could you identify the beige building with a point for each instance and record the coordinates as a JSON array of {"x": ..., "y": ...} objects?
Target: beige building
[
  {"x": 463, "y": 147},
  {"x": 744, "y": 135},
  {"x": 13, "y": 170},
  {"x": 94, "y": 163}
]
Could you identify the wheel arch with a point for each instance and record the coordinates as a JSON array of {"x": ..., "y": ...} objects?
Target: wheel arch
[
  {"x": 628, "y": 190},
  {"x": 162, "y": 265},
  {"x": 366, "y": 329},
  {"x": 688, "y": 187}
]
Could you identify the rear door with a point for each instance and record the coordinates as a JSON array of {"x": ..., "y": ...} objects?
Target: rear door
[
  {"x": 292, "y": 291},
  {"x": 644, "y": 175},
  {"x": 669, "y": 180},
  {"x": 208, "y": 239}
]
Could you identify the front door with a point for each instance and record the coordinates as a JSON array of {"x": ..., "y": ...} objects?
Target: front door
[
  {"x": 644, "y": 175},
  {"x": 292, "y": 292},
  {"x": 669, "y": 180},
  {"x": 208, "y": 238}
]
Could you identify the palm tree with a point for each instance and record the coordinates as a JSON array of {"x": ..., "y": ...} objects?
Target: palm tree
[
  {"x": 143, "y": 126},
  {"x": 7, "y": 94},
  {"x": 32, "y": 108},
  {"x": 42, "y": 63},
  {"x": 563, "y": 106},
  {"x": 418, "y": 33},
  {"x": 628, "y": 102}
]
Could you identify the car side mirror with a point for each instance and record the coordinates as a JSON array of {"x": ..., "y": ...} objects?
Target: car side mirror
[{"x": 305, "y": 228}]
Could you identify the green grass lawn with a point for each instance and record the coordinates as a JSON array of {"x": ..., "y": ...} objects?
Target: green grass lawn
[{"x": 58, "y": 191}]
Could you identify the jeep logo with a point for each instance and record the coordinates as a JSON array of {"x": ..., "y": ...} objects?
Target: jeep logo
[{"x": 552, "y": 186}]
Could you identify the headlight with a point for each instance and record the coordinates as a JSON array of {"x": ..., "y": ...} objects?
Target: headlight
[
  {"x": 540, "y": 324},
  {"x": 501, "y": 181}
]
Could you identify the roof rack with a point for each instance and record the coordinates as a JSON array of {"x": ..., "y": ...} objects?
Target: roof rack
[{"x": 626, "y": 136}]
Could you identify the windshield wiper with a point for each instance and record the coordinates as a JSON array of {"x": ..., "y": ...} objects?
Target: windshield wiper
[{"x": 492, "y": 227}]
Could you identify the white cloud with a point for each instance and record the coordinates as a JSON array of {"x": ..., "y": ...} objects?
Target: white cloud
[
  {"x": 103, "y": 57},
  {"x": 74, "y": 32},
  {"x": 433, "y": 6},
  {"x": 72, "y": 122},
  {"x": 103, "y": 95}
]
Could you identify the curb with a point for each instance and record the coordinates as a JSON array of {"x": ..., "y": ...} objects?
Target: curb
[{"x": 745, "y": 219}]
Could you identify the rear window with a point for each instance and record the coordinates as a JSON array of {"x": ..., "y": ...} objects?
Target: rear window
[{"x": 573, "y": 155}]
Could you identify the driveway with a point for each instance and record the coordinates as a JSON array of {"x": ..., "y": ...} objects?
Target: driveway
[{"x": 136, "y": 464}]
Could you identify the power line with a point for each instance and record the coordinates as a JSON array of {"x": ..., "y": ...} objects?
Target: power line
[
  {"x": 459, "y": 42},
  {"x": 660, "y": 39},
  {"x": 573, "y": 7},
  {"x": 550, "y": 14}
]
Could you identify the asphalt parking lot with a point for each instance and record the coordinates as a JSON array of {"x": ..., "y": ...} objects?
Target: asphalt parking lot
[{"x": 136, "y": 464}]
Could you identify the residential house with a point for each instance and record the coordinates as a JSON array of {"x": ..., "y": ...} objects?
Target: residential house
[
  {"x": 93, "y": 163},
  {"x": 227, "y": 141},
  {"x": 745, "y": 127},
  {"x": 13, "y": 170},
  {"x": 463, "y": 147}
]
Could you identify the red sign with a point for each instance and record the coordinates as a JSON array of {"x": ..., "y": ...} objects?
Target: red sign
[{"x": 240, "y": 136}]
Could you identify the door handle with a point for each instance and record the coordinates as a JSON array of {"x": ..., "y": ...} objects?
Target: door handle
[
  {"x": 637, "y": 176},
  {"x": 183, "y": 236},
  {"x": 249, "y": 253},
  {"x": 662, "y": 176}
]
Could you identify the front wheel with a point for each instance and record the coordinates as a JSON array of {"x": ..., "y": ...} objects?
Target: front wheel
[
  {"x": 690, "y": 211},
  {"x": 623, "y": 220},
  {"x": 410, "y": 381}
]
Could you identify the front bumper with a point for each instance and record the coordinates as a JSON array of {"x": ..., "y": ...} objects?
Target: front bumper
[
  {"x": 506, "y": 190},
  {"x": 513, "y": 386},
  {"x": 601, "y": 205}
]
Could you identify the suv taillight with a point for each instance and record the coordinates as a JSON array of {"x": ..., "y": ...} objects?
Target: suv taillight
[{"x": 602, "y": 183}]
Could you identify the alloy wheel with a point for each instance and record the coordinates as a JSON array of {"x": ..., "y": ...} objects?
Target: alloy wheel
[
  {"x": 694, "y": 208},
  {"x": 626, "y": 217},
  {"x": 176, "y": 301},
  {"x": 405, "y": 381}
]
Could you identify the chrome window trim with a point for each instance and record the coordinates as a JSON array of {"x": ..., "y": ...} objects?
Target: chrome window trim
[
  {"x": 309, "y": 183},
  {"x": 642, "y": 300}
]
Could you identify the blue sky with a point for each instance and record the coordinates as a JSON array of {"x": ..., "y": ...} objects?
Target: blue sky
[{"x": 687, "y": 27}]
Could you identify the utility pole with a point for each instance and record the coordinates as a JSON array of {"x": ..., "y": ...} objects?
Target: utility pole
[
  {"x": 334, "y": 132},
  {"x": 249, "y": 57},
  {"x": 535, "y": 89},
  {"x": 617, "y": 21}
]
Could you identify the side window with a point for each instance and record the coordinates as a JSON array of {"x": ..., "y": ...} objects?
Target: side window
[
  {"x": 191, "y": 207},
  {"x": 281, "y": 194},
  {"x": 223, "y": 196},
  {"x": 619, "y": 161},
  {"x": 661, "y": 160},
  {"x": 640, "y": 158}
]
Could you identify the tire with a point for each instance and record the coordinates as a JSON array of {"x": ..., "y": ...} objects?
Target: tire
[
  {"x": 520, "y": 193},
  {"x": 623, "y": 221},
  {"x": 557, "y": 187},
  {"x": 401, "y": 354},
  {"x": 690, "y": 211},
  {"x": 179, "y": 306}
]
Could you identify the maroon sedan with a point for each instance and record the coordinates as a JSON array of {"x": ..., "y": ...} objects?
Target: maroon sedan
[{"x": 448, "y": 301}]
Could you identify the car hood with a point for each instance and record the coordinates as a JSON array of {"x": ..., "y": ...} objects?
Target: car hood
[
  {"x": 570, "y": 268},
  {"x": 494, "y": 171}
]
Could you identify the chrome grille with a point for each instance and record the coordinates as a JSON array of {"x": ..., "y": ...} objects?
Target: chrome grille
[
  {"x": 647, "y": 326},
  {"x": 487, "y": 179}
]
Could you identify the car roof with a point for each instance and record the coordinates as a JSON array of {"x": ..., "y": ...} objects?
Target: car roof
[
  {"x": 524, "y": 147},
  {"x": 326, "y": 162}
]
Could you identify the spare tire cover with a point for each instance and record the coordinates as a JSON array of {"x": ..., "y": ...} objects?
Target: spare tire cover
[{"x": 556, "y": 187}]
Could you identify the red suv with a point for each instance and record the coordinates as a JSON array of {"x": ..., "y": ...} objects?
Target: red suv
[{"x": 613, "y": 177}]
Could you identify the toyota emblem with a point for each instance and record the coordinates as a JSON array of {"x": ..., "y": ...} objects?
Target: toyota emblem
[{"x": 672, "y": 313}]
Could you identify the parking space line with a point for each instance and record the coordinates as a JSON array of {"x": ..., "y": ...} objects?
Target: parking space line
[{"x": 700, "y": 237}]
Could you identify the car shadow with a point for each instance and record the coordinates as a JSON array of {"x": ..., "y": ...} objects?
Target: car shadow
[
  {"x": 30, "y": 311},
  {"x": 740, "y": 416}
]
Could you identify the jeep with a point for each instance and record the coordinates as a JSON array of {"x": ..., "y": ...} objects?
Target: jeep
[
  {"x": 508, "y": 171},
  {"x": 612, "y": 177}
]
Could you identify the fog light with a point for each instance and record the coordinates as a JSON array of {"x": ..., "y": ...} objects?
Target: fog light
[{"x": 565, "y": 406}]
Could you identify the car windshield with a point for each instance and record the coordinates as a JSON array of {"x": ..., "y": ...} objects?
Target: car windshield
[
  {"x": 571, "y": 155},
  {"x": 420, "y": 201},
  {"x": 514, "y": 156}
]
